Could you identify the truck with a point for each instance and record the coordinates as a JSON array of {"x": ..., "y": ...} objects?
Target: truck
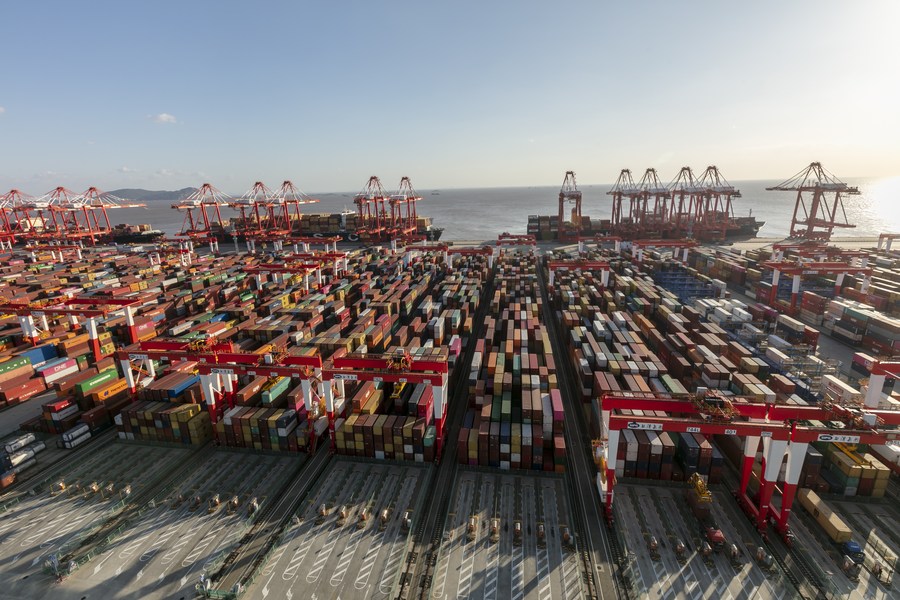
[
  {"x": 700, "y": 500},
  {"x": 851, "y": 556}
]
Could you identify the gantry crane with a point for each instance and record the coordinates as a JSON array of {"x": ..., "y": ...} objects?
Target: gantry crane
[
  {"x": 624, "y": 220},
  {"x": 879, "y": 371},
  {"x": 290, "y": 198},
  {"x": 578, "y": 264},
  {"x": 90, "y": 308},
  {"x": 398, "y": 367},
  {"x": 654, "y": 206},
  {"x": 783, "y": 431},
  {"x": 716, "y": 209},
  {"x": 79, "y": 217},
  {"x": 797, "y": 269},
  {"x": 687, "y": 202},
  {"x": 257, "y": 217},
  {"x": 25, "y": 214},
  {"x": 370, "y": 205},
  {"x": 825, "y": 192},
  {"x": 202, "y": 215},
  {"x": 219, "y": 365},
  {"x": 638, "y": 247},
  {"x": 885, "y": 239},
  {"x": 8, "y": 224},
  {"x": 403, "y": 209},
  {"x": 516, "y": 240},
  {"x": 569, "y": 230}
]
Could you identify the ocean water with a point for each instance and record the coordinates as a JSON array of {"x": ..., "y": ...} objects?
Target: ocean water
[{"x": 483, "y": 213}]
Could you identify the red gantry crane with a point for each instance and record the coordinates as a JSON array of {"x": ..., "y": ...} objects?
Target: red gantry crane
[
  {"x": 90, "y": 308},
  {"x": 256, "y": 216},
  {"x": 403, "y": 209},
  {"x": 9, "y": 226},
  {"x": 824, "y": 192},
  {"x": 783, "y": 431},
  {"x": 219, "y": 367},
  {"x": 717, "y": 210},
  {"x": 569, "y": 230},
  {"x": 373, "y": 216},
  {"x": 202, "y": 215},
  {"x": 291, "y": 198},
  {"x": 625, "y": 219},
  {"x": 654, "y": 206},
  {"x": 687, "y": 203},
  {"x": 81, "y": 217},
  {"x": 797, "y": 269},
  {"x": 24, "y": 213},
  {"x": 399, "y": 367},
  {"x": 879, "y": 372}
]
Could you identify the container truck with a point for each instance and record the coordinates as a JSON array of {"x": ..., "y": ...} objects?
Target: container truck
[{"x": 851, "y": 553}]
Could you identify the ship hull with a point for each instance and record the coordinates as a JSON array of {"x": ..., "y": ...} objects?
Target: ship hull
[{"x": 350, "y": 237}]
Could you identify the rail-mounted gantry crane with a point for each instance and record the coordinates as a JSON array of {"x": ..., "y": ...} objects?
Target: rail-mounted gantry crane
[
  {"x": 825, "y": 194},
  {"x": 782, "y": 430}
]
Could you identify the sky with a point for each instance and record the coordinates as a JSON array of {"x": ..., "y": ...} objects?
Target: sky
[{"x": 169, "y": 94}]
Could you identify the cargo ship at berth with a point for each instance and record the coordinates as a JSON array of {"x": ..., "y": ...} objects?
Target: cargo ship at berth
[
  {"x": 546, "y": 228},
  {"x": 344, "y": 224},
  {"x": 144, "y": 233}
]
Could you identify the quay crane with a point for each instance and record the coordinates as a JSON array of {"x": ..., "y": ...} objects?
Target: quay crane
[
  {"x": 569, "y": 194},
  {"x": 202, "y": 215},
  {"x": 688, "y": 211},
  {"x": 288, "y": 197},
  {"x": 716, "y": 209},
  {"x": 370, "y": 205},
  {"x": 403, "y": 222},
  {"x": 824, "y": 192},
  {"x": 625, "y": 221},
  {"x": 257, "y": 215},
  {"x": 655, "y": 220}
]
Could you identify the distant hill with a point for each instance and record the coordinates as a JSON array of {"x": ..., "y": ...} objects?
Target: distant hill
[{"x": 139, "y": 195}]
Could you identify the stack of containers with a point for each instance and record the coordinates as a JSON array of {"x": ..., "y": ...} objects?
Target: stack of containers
[
  {"x": 394, "y": 421},
  {"x": 164, "y": 422},
  {"x": 515, "y": 418},
  {"x": 849, "y": 473}
]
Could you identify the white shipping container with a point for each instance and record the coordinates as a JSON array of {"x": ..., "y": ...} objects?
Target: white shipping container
[
  {"x": 75, "y": 432},
  {"x": 19, "y": 443},
  {"x": 48, "y": 379}
]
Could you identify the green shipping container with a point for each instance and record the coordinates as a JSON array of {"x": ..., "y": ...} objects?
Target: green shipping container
[
  {"x": 278, "y": 389},
  {"x": 14, "y": 363},
  {"x": 108, "y": 376}
]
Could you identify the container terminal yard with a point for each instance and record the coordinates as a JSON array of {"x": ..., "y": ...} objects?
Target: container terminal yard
[{"x": 632, "y": 412}]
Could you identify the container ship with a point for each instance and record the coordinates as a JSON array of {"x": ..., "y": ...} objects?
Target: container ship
[
  {"x": 144, "y": 233},
  {"x": 344, "y": 224},
  {"x": 546, "y": 228}
]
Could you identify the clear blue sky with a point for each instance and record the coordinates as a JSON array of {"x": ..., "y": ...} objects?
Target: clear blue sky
[{"x": 168, "y": 94}]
